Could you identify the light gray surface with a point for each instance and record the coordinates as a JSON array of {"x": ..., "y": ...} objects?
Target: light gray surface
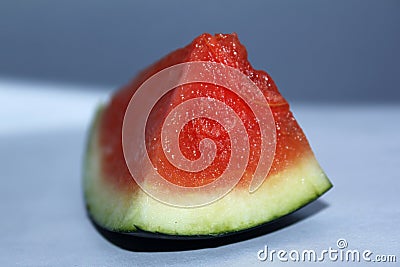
[
  {"x": 342, "y": 50},
  {"x": 43, "y": 221}
]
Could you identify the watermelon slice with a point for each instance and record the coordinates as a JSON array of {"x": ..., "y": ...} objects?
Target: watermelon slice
[{"x": 116, "y": 202}]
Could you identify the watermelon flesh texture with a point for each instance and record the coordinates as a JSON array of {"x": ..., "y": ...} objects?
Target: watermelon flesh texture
[{"x": 117, "y": 203}]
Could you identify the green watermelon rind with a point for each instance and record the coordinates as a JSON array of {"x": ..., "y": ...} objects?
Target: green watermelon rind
[{"x": 127, "y": 211}]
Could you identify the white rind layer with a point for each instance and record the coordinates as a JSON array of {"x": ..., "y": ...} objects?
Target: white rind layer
[{"x": 279, "y": 195}]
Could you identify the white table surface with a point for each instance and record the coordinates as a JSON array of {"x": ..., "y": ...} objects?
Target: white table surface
[{"x": 43, "y": 222}]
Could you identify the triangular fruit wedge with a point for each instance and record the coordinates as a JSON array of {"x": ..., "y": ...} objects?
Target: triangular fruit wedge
[{"x": 116, "y": 202}]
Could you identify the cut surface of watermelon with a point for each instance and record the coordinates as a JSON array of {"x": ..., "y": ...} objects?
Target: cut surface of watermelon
[{"x": 116, "y": 202}]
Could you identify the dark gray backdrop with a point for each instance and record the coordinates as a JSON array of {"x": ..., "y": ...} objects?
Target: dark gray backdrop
[{"x": 315, "y": 50}]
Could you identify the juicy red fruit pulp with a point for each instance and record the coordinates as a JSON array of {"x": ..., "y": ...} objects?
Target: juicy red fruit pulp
[{"x": 221, "y": 48}]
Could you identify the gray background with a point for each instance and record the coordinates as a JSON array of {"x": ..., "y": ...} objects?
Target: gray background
[{"x": 342, "y": 51}]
